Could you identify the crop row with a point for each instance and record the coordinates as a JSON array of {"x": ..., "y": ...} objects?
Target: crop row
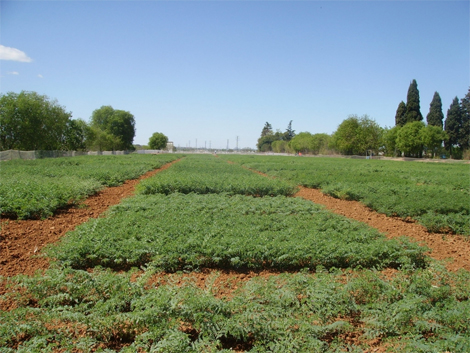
[
  {"x": 205, "y": 174},
  {"x": 74, "y": 310},
  {"x": 35, "y": 189},
  {"x": 435, "y": 194},
  {"x": 191, "y": 231}
]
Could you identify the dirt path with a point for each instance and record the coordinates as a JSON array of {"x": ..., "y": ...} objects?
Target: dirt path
[
  {"x": 20, "y": 240},
  {"x": 452, "y": 247}
]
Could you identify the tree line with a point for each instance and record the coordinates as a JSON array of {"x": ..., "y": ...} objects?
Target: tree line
[
  {"x": 30, "y": 121},
  {"x": 410, "y": 136}
]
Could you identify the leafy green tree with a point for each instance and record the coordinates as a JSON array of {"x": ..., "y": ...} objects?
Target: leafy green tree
[
  {"x": 101, "y": 140},
  {"x": 464, "y": 140},
  {"x": 413, "y": 112},
  {"x": 409, "y": 139},
  {"x": 432, "y": 138},
  {"x": 265, "y": 142},
  {"x": 320, "y": 143},
  {"x": 400, "y": 119},
  {"x": 158, "y": 141},
  {"x": 289, "y": 134},
  {"x": 280, "y": 146},
  {"x": 29, "y": 121},
  {"x": 389, "y": 140},
  {"x": 302, "y": 142},
  {"x": 267, "y": 130},
  {"x": 119, "y": 124},
  {"x": 435, "y": 116},
  {"x": 76, "y": 135},
  {"x": 357, "y": 135},
  {"x": 453, "y": 125}
]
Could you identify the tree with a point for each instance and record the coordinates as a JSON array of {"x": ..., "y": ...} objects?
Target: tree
[
  {"x": 29, "y": 121},
  {"x": 432, "y": 137},
  {"x": 357, "y": 135},
  {"x": 119, "y": 124},
  {"x": 76, "y": 135},
  {"x": 464, "y": 140},
  {"x": 289, "y": 134},
  {"x": 320, "y": 143},
  {"x": 435, "y": 116},
  {"x": 400, "y": 119},
  {"x": 409, "y": 139},
  {"x": 280, "y": 146},
  {"x": 413, "y": 112},
  {"x": 158, "y": 141},
  {"x": 265, "y": 142},
  {"x": 453, "y": 125},
  {"x": 267, "y": 130},
  {"x": 302, "y": 142},
  {"x": 389, "y": 140}
]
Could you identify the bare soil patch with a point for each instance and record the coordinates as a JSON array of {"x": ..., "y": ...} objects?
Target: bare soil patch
[{"x": 453, "y": 248}]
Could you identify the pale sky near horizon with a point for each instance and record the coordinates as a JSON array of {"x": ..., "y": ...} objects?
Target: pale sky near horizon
[{"x": 215, "y": 70}]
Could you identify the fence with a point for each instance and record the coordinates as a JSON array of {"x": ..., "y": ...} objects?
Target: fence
[{"x": 15, "y": 154}]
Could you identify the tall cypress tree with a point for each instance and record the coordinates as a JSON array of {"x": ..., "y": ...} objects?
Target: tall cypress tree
[
  {"x": 453, "y": 123},
  {"x": 400, "y": 115},
  {"x": 435, "y": 116},
  {"x": 465, "y": 110},
  {"x": 413, "y": 112}
]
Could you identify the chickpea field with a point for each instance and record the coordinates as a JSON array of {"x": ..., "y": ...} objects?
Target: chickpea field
[{"x": 281, "y": 273}]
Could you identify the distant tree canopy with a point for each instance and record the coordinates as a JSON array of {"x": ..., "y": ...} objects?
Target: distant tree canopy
[
  {"x": 158, "y": 141},
  {"x": 113, "y": 129},
  {"x": 400, "y": 119},
  {"x": 357, "y": 135},
  {"x": 413, "y": 112},
  {"x": 267, "y": 138},
  {"x": 29, "y": 121},
  {"x": 435, "y": 116}
]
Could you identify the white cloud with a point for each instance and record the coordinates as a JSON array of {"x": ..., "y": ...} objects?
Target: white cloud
[
  {"x": 7, "y": 53},
  {"x": 40, "y": 76},
  {"x": 13, "y": 73}
]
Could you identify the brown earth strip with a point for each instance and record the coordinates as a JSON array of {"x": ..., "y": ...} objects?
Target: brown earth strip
[
  {"x": 23, "y": 239},
  {"x": 454, "y": 248}
]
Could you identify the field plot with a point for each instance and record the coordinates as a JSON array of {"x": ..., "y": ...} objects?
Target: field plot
[
  {"x": 73, "y": 310},
  {"x": 185, "y": 232},
  {"x": 205, "y": 174},
  {"x": 36, "y": 188},
  {"x": 282, "y": 275},
  {"x": 435, "y": 194}
]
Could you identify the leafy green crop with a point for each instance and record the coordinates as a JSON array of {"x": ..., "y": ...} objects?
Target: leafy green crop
[
  {"x": 435, "y": 194},
  {"x": 205, "y": 174},
  {"x": 424, "y": 310},
  {"x": 36, "y": 188},
  {"x": 190, "y": 231}
]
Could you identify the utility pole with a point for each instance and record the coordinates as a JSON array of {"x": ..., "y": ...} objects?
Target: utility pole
[
  {"x": 227, "y": 145},
  {"x": 196, "y": 144},
  {"x": 237, "y": 144}
]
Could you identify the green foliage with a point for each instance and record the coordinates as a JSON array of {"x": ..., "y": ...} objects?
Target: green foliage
[
  {"x": 454, "y": 124},
  {"x": 72, "y": 310},
  {"x": 435, "y": 116},
  {"x": 357, "y": 135},
  {"x": 400, "y": 118},
  {"x": 158, "y": 141},
  {"x": 114, "y": 129},
  {"x": 192, "y": 231},
  {"x": 307, "y": 143},
  {"x": 205, "y": 174},
  {"x": 413, "y": 112},
  {"x": 409, "y": 139},
  {"x": 389, "y": 140},
  {"x": 37, "y": 188},
  {"x": 29, "y": 121},
  {"x": 415, "y": 190}
]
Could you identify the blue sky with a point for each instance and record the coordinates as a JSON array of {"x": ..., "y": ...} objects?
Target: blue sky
[{"x": 215, "y": 70}]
